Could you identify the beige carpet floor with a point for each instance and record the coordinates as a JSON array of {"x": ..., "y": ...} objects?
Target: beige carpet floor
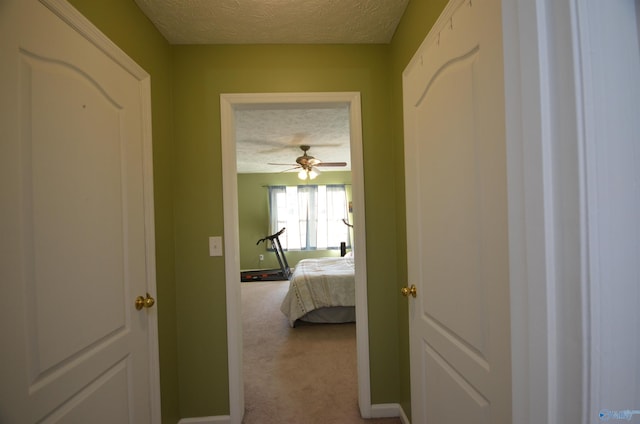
[{"x": 303, "y": 375}]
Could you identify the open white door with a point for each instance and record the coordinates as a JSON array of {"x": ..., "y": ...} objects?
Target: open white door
[
  {"x": 457, "y": 220},
  {"x": 77, "y": 225}
]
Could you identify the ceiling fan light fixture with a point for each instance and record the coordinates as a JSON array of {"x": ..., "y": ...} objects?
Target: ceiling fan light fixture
[
  {"x": 307, "y": 165},
  {"x": 308, "y": 174}
]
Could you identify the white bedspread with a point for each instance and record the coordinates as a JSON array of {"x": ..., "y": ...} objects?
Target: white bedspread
[{"x": 319, "y": 283}]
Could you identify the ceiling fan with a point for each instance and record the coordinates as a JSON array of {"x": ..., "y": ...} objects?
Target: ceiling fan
[{"x": 307, "y": 164}]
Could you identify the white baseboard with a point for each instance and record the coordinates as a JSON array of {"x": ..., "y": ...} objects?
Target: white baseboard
[
  {"x": 222, "y": 419},
  {"x": 388, "y": 410}
]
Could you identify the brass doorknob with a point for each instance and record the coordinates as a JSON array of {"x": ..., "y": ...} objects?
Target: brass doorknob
[
  {"x": 144, "y": 302},
  {"x": 406, "y": 291}
]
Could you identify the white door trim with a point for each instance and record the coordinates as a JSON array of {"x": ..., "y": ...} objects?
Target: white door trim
[
  {"x": 606, "y": 40},
  {"x": 85, "y": 28},
  {"x": 546, "y": 276},
  {"x": 527, "y": 169},
  {"x": 228, "y": 103},
  {"x": 559, "y": 160}
]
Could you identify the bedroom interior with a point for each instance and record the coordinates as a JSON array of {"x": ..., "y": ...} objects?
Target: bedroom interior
[{"x": 267, "y": 139}]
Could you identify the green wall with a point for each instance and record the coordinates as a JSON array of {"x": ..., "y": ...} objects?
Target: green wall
[
  {"x": 186, "y": 82},
  {"x": 201, "y": 74},
  {"x": 253, "y": 217},
  {"x": 124, "y": 24}
]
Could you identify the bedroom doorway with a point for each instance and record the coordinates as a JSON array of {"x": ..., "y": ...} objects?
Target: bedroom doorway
[{"x": 229, "y": 105}]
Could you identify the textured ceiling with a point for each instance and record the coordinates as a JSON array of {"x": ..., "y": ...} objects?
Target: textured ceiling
[
  {"x": 275, "y": 21},
  {"x": 275, "y": 134}
]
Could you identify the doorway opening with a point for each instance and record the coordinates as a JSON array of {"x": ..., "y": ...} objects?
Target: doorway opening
[{"x": 229, "y": 105}]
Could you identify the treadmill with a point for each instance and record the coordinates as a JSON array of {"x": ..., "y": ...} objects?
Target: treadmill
[{"x": 270, "y": 274}]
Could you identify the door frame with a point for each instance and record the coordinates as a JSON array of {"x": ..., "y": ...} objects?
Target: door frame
[{"x": 228, "y": 104}]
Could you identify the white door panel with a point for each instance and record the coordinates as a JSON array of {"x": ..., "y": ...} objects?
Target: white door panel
[
  {"x": 105, "y": 400},
  {"x": 456, "y": 219},
  {"x": 442, "y": 384},
  {"x": 75, "y": 208},
  {"x": 76, "y": 349}
]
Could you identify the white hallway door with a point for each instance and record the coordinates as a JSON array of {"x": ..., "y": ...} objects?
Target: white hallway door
[
  {"x": 76, "y": 226},
  {"x": 457, "y": 220}
]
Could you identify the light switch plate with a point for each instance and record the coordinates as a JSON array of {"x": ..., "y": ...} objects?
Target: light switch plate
[{"x": 215, "y": 246}]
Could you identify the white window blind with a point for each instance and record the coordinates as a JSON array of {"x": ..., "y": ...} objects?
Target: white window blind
[{"x": 311, "y": 214}]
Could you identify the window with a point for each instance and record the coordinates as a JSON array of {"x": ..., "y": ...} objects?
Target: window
[{"x": 312, "y": 215}]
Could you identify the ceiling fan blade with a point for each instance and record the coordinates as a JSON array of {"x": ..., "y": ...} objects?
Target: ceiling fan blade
[
  {"x": 290, "y": 169},
  {"x": 284, "y": 164},
  {"x": 331, "y": 164}
]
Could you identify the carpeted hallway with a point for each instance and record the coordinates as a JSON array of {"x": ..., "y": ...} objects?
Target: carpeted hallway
[{"x": 305, "y": 374}]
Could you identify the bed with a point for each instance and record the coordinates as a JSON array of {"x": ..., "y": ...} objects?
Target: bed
[{"x": 321, "y": 290}]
